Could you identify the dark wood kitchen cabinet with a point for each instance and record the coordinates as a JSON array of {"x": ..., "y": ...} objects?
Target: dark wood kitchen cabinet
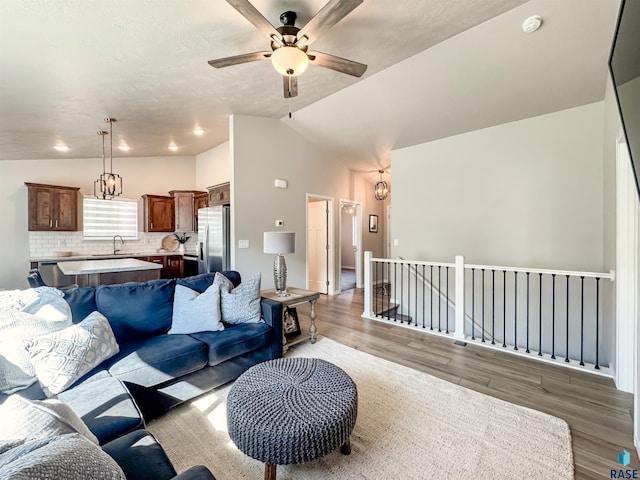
[
  {"x": 172, "y": 265},
  {"x": 52, "y": 207},
  {"x": 220, "y": 194},
  {"x": 201, "y": 200},
  {"x": 185, "y": 208},
  {"x": 159, "y": 213}
]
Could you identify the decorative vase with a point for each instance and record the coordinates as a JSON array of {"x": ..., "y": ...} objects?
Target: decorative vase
[
  {"x": 280, "y": 275},
  {"x": 181, "y": 248}
]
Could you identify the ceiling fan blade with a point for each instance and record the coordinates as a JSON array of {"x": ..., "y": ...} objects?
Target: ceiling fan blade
[
  {"x": 290, "y": 86},
  {"x": 327, "y": 17},
  {"x": 238, "y": 59},
  {"x": 337, "y": 63},
  {"x": 250, "y": 12}
]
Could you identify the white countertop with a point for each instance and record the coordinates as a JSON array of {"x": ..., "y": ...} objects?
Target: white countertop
[{"x": 84, "y": 267}]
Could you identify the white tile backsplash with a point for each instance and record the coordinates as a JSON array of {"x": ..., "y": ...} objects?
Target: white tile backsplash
[{"x": 46, "y": 244}]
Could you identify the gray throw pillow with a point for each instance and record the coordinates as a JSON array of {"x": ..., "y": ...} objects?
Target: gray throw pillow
[
  {"x": 240, "y": 304},
  {"x": 63, "y": 457},
  {"x": 195, "y": 312},
  {"x": 61, "y": 358},
  {"x": 23, "y": 420}
]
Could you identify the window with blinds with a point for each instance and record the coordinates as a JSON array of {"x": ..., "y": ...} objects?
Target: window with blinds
[{"x": 102, "y": 219}]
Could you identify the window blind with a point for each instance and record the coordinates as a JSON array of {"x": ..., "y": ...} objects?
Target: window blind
[{"x": 102, "y": 219}]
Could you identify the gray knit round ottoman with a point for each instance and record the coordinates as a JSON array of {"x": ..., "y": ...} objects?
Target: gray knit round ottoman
[{"x": 292, "y": 410}]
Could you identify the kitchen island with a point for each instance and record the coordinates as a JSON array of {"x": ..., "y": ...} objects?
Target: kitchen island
[{"x": 110, "y": 271}]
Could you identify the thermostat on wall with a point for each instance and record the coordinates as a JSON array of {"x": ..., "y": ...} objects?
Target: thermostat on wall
[{"x": 280, "y": 183}]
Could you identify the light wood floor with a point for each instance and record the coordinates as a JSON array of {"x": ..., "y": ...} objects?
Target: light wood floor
[{"x": 600, "y": 417}]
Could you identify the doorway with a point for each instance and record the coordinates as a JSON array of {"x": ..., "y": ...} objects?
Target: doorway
[
  {"x": 350, "y": 258},
  {"x": 319, "y": 248}
]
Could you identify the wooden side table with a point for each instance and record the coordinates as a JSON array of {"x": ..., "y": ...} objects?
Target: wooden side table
[{"x": 296, "y": 296}]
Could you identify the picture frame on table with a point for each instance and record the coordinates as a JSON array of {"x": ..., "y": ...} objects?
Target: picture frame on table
[
  {"x": 373, "y": 223},
  {"x": 290, "y": 323}
]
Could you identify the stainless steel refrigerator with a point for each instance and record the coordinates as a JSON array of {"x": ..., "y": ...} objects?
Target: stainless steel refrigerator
[{"x": 214, "y": 239}]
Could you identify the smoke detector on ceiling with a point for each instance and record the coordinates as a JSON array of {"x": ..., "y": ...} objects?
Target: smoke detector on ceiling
[{"x": 532, "y": 24}]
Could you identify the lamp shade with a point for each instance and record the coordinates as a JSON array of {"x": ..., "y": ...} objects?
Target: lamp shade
[
  {"x": 289, "y": 61},
  {"x": 279, "y": 242}
]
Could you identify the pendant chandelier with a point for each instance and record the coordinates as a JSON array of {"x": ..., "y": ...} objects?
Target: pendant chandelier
[
  {"x": 381, "y": 189},
  {"x": 108, "y": 184}
]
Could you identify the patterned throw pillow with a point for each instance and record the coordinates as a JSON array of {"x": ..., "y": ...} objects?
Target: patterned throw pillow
[
  {"x": 240, "y": 304},
  {"x": 16, "y": 371},
  {"x": 69, "y": 456},
  {"x": 61, "y": 358},
  {"x": 23, "y": 420},
  {"x": 26, "y": 314},
  {"x": 195, "y": 312}
]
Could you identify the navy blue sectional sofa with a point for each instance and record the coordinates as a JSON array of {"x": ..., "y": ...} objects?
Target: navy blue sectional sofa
[{"x": 154, "y": 372}]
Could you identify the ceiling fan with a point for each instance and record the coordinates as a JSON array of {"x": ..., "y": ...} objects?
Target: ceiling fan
[{"x": 289, "y": 44}]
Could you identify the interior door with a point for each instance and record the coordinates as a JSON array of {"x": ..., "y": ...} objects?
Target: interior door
[{"x": 318, "y": 246}]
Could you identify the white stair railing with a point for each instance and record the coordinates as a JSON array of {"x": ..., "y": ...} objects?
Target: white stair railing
[{"x": 550, "y": 315}]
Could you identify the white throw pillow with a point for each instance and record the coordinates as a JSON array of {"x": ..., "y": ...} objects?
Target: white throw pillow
[
  {"x": 16, "y": 371},
  {"x": 23, "y": 420},
  {"x": 46, "y": 302},
  {"x": 26, "y": 314},
  {"x": 240, "y": 304},
  {"x": 195, "y": 312},
  {"x": 61, "y": 358}
]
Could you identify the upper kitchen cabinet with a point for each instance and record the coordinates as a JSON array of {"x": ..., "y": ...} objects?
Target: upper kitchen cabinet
[
  {"x": 159, "y": 213},
  {"x": 219, "y": 194},
  {"x": 52, "y": 207},
  {"x": 201, "y": 200},
  {"x": 184, "y": 209}
]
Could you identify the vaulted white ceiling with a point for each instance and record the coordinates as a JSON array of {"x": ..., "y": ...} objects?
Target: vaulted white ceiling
[{"x": 436, "y": 68}]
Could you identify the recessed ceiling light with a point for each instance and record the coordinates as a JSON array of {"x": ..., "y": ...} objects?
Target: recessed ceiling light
[
  {"x": 173, "y": 147},
  {"x": 532, "y": 24},
  {"x": 124, "y": 148},
  {"x": 60, "y": 147},
  {"x": 198, "y": 131}
]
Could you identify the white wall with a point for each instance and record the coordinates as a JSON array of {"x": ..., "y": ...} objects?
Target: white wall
[
  {"x": 264, "y": 149},
  {"x": 213, "y": 166},
  {"x": 527, "y": 193},
  {"x": 524, "y": 194},
  {"x": 156, "y": 175}
]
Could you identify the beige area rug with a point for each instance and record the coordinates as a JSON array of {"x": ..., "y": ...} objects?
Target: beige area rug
[{"x": 410, "y": 426}]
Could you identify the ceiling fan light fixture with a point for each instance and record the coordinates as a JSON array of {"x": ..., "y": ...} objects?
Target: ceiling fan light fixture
[{"x": 289, "y": 61}]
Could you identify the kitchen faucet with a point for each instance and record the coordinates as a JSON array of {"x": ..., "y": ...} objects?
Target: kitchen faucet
[{"x": 116, "y": 250}]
